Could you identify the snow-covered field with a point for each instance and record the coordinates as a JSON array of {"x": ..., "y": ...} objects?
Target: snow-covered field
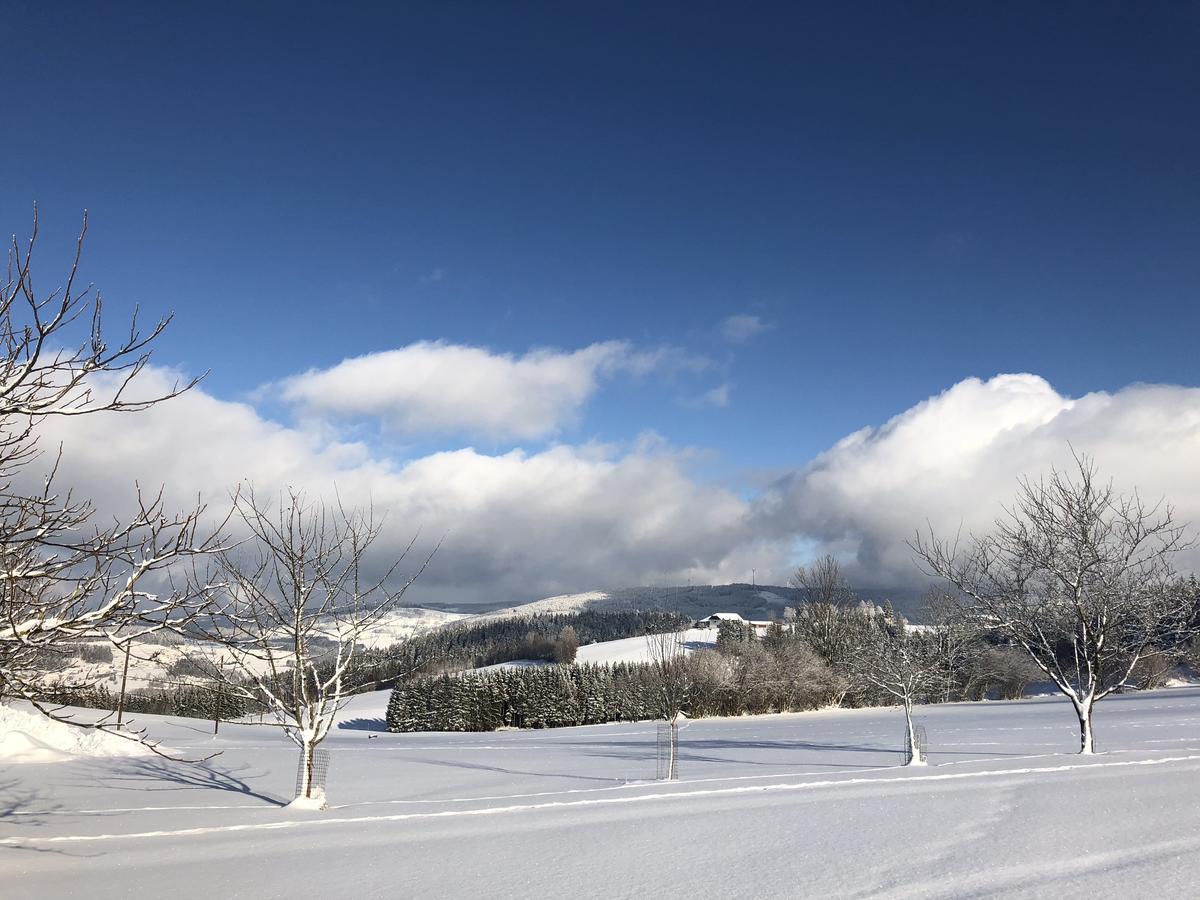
[
  {"x": 627, "y": 650},
  {"x": 808, "y": 804},
  {"x": 637, "y": 649},
  {"x": 401, "y": 624}
]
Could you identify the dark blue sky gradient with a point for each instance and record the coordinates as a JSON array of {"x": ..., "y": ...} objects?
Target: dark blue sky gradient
[{"x": 909, "y": 193}]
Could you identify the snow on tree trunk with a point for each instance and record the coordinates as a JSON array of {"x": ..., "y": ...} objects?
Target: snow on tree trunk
[
  {"x": 673, "y": 758},
  {"x": 915, "y": 756},
  {"x": 309, "y": 794},
  {"x": 1086, "y": 739}
]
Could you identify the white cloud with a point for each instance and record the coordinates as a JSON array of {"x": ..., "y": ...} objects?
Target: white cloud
[
  {"x": 519, "y": 525},
  {"x": 955, "y": 458},
  {"x": 433, "y": 387},
  {"x": 740, "y": 329},
  {"x": 718, "y": 396},
  {"x": 527, "y": 524}
]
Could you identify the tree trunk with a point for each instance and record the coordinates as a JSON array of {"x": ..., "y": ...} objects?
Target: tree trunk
[
  {"x": 309, "y": 794},
  {"x": 673, "y": 757},
  {"x": 1083, "y": 709},
  {"x": 307, "y": 780},
  {"x": 915, "y": 757},
  {"x": 124, "y": 679}
]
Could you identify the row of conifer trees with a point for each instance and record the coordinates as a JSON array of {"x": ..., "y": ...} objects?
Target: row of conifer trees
[
  {"x": 198, "y": 701},
  {"x": 555, "y": 696},
  {"x": 534, "y": 697}
]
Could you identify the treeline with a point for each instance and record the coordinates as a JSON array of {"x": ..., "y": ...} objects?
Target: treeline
[
  {"x": 743, "y": 675},
  {"x": 193, "y": 701},
  {"x": 557, "y": 696},
  {"x": 537, "y": 697}
]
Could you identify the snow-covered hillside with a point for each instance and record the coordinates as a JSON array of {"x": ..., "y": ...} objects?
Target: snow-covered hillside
[
  {"x": 405, "y": 622},
  {"x": 562, "y": 603},
  {"x": 694, "y": 601},
  {"x": 807, "y": 804},
  {"x": 637, "y": 649},
  {"x": 628, "y": 650},
  {"x": 163, "y": 660}
]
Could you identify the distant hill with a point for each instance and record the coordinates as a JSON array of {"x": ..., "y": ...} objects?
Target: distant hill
[
  {"x": 406, "y": 621},
  {"x": 761, "y": 601},
  {"x": 162, "y": 659}
]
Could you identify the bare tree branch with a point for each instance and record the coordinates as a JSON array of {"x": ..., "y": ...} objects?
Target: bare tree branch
[
  {"x": 64, "y": 576},
  {"x": 292, "y": 605},
  {"x": 1079, "y": 577}
]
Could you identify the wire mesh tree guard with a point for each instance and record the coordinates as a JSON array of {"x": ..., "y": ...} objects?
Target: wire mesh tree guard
[
  {"x": 920, "y": 747},
  {"x": 668, "y": 751},
  {"x": 314, "y": 773}
]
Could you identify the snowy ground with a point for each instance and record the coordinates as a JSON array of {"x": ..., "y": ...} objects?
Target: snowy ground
[
  {"x": 627, "y": 650},
  {"x": 401, "y": 624},
  {"x": 26, "y": 736},
  {"x": 809, "y": 804},
  {"x": 637, "y": 649}
]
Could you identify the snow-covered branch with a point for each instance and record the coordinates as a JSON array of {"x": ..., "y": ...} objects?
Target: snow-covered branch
[
  {"x": 293, "y": 604},
  {"x": 1079, "y": 577}
]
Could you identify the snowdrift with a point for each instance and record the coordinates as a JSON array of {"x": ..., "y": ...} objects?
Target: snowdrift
[{"x": 27, "y": 736}]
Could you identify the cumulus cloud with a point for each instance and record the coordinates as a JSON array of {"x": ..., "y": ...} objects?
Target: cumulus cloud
[
  {"x": 518, "y": 525},
  {"x": 740, "y": 329},
  {"x": 434, "y": 387},
  {"x": 953, "y": 459}
]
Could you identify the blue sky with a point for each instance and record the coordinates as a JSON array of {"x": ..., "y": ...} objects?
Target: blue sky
[{"x": 902, "y": 196}]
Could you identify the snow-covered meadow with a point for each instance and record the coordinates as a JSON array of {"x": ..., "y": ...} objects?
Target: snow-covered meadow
[
  {"x": 807, "y": 804},
  {"x": 638, "y": 649}
]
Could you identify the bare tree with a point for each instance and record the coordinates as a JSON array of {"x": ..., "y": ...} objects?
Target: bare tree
[
  {"x": 830, "y": 618},
  {"x": 1079, "y": 577},
  {"x": 64, "y": 575},
  {"x": 293, "y": 605},
  {"x": 566, "y": 646},
  {"x": 959, "y": 641},
  {"x": 1006, "y": 670},
  {"x": 823, "y": 583},
  {"x": 907, "y": 665},
  {"x": 672, "y": 678},
  {"x": 713, "y": 677},
  {"x": 781, "y": 674}
]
